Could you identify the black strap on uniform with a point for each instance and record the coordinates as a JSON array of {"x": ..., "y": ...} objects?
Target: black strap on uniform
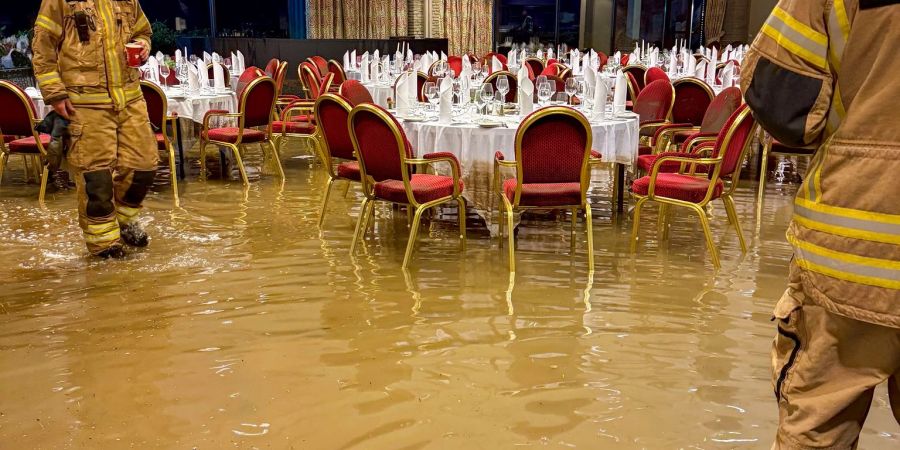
[{"x": 82, "y": 24}]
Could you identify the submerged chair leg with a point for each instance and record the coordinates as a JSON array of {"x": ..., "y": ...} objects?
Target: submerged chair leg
[
  {"x": 704, "y": 221},
  {"x": 276, "y": 157},
  {"x": 574, "y": 225},
  {"x": 763, "y": 169},
  {"x": 203, "y": 145},
  {"x": 663, "y": 222},
  {"x": 173, "y": 174},
  {"x": 590, "y": 237},
  {"x": 240, "y": 162},
  {"x": 3, "y": 160},
  {"x": 325, "y": 200},
  {"x": 45, "y": 174},
  {"x": 732, "y": 214},
  {"x": 511, "y": 235},
  {"x": 462, "y": 221},
  {"x": 359, "y": 223},
  {"x": 413, "y": 235},
  {"x": 637, "y": 223}
]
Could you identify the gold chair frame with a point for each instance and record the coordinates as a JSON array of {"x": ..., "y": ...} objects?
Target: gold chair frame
[
  {"x": 325, "y": 154},
  {"x": 368, "y": 184},
  {"x": 665, "y": 139},
  {"x": 511, "y": 207},
  {"x": 237, "y": 146},
  {"x": 170, "y": 149},
  {"x": 699, "y": 208},
  {"x": 41, "y": 157}
]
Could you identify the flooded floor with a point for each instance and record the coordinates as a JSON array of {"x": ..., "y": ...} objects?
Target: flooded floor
[{"x": 242, "y": 326}]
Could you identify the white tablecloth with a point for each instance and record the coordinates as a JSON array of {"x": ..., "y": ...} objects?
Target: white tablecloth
[
  {"x": 380, "y": 93},
  {"x": 616, "y": 140}
]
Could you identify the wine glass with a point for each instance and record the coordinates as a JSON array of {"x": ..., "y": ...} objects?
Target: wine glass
[
  {"x": 475, "y": 92},
  {"x": 193, "y": 59},
  {"x": 181, "y": 73},
  {"x": 503, "y": 86},
  {"x": 487, "y": 93},
  {"x": 164, "y": 73},
  {"x": 544, "y": 93},
  {"x": 430, "y": 90},
  {"x": 434, "y": 97},
  {"x": 571, "y": 88},
  {"x": 552, "y": 84}
]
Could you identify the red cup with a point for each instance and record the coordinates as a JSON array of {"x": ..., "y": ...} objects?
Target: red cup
[{"x": 134, "y": 50}]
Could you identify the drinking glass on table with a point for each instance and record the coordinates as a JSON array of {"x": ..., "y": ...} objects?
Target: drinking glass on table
[
  {"x": 432, "y": 94},
  {"x": 181, "y": 73},
  {"x": 487, "y": 94},
  {"x": 503, "y": 86},
  {"x": 543, "y": 93},
  {"x": 164, "y": 73},
  {"x": 477, "y": 99},
  {"x": 552, "y": 85},
  {"x": 193, "y": 59},
  {"x": 571, "y": 88}
]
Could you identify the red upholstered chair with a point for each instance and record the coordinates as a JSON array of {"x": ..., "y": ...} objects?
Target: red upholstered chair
[
  {"x": 513, "y": 84},
  {"x": 355, "y": 93},
  {"x": 320, "y": 63},
  {"x": 633, "y": 89},
  {"x": 298, "y": 119},
  {"x": 552, "y": 61},
  {"x": 687, "y": 136},
  {"x": 333, "y": 112},
  {"x": 211, "y": 73},
  {"x": 654, "y": 108},
  {"x": 157, "y": 111},
  {"x": 385, "y": 163},
  {"x": 17, "y": 119},
  {"x": 257, "y": 103},
  {"x": 421, "y": 79},
  {"x": 272, "y": 66},
  {"x": 655, "y": 73},
  {"x": 249, "y": 74},
  {"x": 553, "y": 147},
  {"x": 536, "y": 65},
  {"x": 531, "y": 73},
  {"x": 604, "y": 58},
  {"x": 456, "y": 64},
  {"x": 773, "y": 147},
  {"x": 623, "y": 61},
  {"x": 309, "y": 79},
  {"x": 693, "y": 192},
  {"x": 638, "y": 71},
  {"x": 486, "y": 59},
  {"x": 335, "y": 68}
]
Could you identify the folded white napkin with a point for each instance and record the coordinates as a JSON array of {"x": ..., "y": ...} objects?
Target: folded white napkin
[
  {"x": 620, "y": 96},
  {"x": 207, "y": 58},
  {"x": 154, "y": 69},
  {"x": 699, "y": 70},
  {"x": 526, "y": 92},
  {"x": 540, "y": 54},
  {"x": 347, "y": 60},
  {"x": 364, "y": 68},
  {"x": 585, "y": 63},
  {"x": 617, "y": 57},
  {"x": 673, "y": 63},
  {"x": 654, "y": 57},
  {"x": 466, "y": 65},
  {"x": 691, "y": 63},
  {"x": 409, "y": 54},
  {"x": 353, "y": 59},
  {"x": 728, "y": 74},
  {"x": 375, "y": 73},
  {"x": 445, "y": 107},
  {"x": 601, "y": 91},
  {"x": 193, "y": 78},
  {"x": 202, "y": 74},
  {"x": 426, "y": 61},
  {"x": 465, "y": 80},
  {"x": 404, "y": 103},
  {"x": 496, "y": 65},
  {"x": 160, "y": 57},
  {"x": 636, "y": 53},
  {"x": 376, "y": 54},
  {"x": 443, "y": 56},
  {"x": 511, "y": 57},
  {"x": 714, "y": 56},
  {"x": 218, "y": 76},
  {"x": 549, "y": 53}
]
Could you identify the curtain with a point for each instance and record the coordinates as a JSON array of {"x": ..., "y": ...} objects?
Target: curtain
[
  {"x": 356, "y": 19},
  {"x": 468, "y": 25},
  {"x": 714, "y": 21}
]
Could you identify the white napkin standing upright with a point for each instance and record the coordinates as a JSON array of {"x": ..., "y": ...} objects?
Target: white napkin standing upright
[
  {"x": 426, "y": 61},
  {"x": 540, "y": 54},
  {"x": 207, "y": 58},
  {"x": 526, "y": 92},
  {"x": 178, "y": 55},
  {"x": 375, "y": 73},
  {"x": 353, "y": 59},
  {"x": 154, "y": 69},
  {"x": 466, "y": 66},
  {"x": 620, "y": 96},
  {"x": 443, "y": 56},
  {"x": 728, "y": 74},
  {"x": 376, "y": 54},
  {"x": 700, "y": 70},
  {"x": 550, "y": 53},
  {"x": 193, "y": 78},
  {"x": 465, "y": 78},
  {"x": 218, "y": 76},
  {"x": 403, "y": 101},
  {"x": 202, "y": 74},
  {"x": 590, "y": 76},
  {"x": 445, "y": 107},
  {"x": 160, "y": 57},
  {"x": 496, "y": 65},
  {"x": 714, "y": 58},
  {"x": 241, "y": 67},
  {"x": 618, "y": 57},
  {"x": 585, "y": 63},
  {"x": 601, "y": 92},
  {"x": 673, "y": 63},
  {"x": 691, "y": 63},
  {"x": 346, "y": 60},
  {"x": 409, "y": 54},
  {"x": 364, "y": 68}
]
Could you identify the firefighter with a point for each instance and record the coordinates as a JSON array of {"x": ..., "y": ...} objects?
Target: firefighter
[
  {"x": 823, "y": 74},
  {"x": 80, "y": 65}
]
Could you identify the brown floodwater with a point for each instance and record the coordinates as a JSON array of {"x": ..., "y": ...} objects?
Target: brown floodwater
[{"x": 242, "y": 326}]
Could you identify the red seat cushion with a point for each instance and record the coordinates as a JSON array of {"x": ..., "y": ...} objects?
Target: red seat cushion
[
  {"x": 28, "y": 145},
  {"x": 677, "y": 186},
  {"x": 7, "y": 138},
  {"x": 596, "y": 155},
  {"x": 230, "y": 135},
  {"x": 160, "y": 141},
  {"x": 645, "y": 163},
  {"x": 425, "y": 188},
  {"x": 544, "y": 194},
  {"x": 349, "y": 170},
  {"x": 293, "y": 127},
  {"x": 645, "y": 150}
]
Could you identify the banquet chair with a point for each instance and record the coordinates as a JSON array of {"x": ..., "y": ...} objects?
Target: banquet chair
[
  {"x": 298, "y": 119},
  {"x": 553, "y": 147},
  {"x": 421, "y": 79},
  {"x": 694, "y": 193},
  {"x": 536, "y": 65},
  {"x": 320, "y": 63},
  {"x": 386, "y": 162},
  {"x": 486, "y": 59},
  {"x": 654, "y": 109},
  {"x": 639, "y": 71},
  {"x": 552, "y": 61},
  {"x": 211, "y": 73},
  {"x": 456, "y": 64},
  {"x": 271, "y": 67},
  {"x": 249, "y": 74},
  {"x": 17, "y": 119},
  {"x": 624, "y": 59},
  {"x": 280, "y": 75},
  {"x": 256, "y": 104},
  {"x": 339, "y": 76},
  {"x": 633, "y": 90},
  {"x": 773, "y": 147},
  {"x": 337, "y": 154},
  {"x": 655, "y": 73},
  {"x": 604, "y": 58},
  {"x": 355, "y": 93},
  {"x": 309, "y": 78},
  {"x": 157, "y": 111},
  {"x": 513, "y": 84},
  {"x": 691, "y": 139}
]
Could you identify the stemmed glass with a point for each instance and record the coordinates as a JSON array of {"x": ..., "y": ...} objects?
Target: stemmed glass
[
  {"x": 487, "y": 94},
  {"x": 181, "y": 73},
  {"x": 431, "y": 93},
  {"x": 544, "y": 93},
  {"x": 503, "y": 86},
  {"x": 571, "y": 88},
  {"x": 478, "y": 100},
  {"x": 193, "y": 59},
  {"x": 164, "y": 73}
]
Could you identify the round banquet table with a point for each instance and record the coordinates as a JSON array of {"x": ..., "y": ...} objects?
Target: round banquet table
[
  {"x": 380, "y": 92},
  {"x": 615, "y": 139}
]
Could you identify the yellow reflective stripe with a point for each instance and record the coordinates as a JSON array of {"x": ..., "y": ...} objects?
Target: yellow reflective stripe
[
  {"x": 852, "y": 233},
  {"x": 869, "y": 216},
  {"x": 48, "y": 78},
  {"x": 48, "y": 24},
  {"x": 141, "y": 23},
  {"x": 102, "y": 228},
  {"x": 103, "y": 232},
  {"x": 791, "y": 46},
  {"x": 840, "y": 11},
  {"x": 90, "y": 99},
  {"x": 845, "y": 266},
  {"x": 113, "y": 57},
  {"x": 800, "y": 27},
  {"x": 131, "y": 94},
  {"x": 797, "y": 37},
  {"x": 113, "y": 235},
  {"x": 127, "y": 211}
]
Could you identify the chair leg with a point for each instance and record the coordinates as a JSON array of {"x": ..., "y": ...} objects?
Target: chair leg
[
  {"x": 637, "y": 223},
  {"x": 3, "y": 160},
  {"x": 500, "y": 220},
  {"x": 511, "y": 236},
  {"x": 704, "y": 221},
  {"x": 203, "y": 145},
  {"x": 413, "y": 235},
  {"x": 173, "y": 174},
  {"x": 763, "y": 169},
  {"x": 363, "y": 215},
  {"x": 590, "y": 237},
  {"x": 663, "y": 222},
  {"x": 347, "y": 189},
  {"x": 240, "y": 162},
  {"x": 462, "y": 221},
  {"x": 45, "y": 174},
  {"x": 732, "y": 214},
  {"x": 277, "y": 158},
  {"x": 25, "y": 168},
  {"x": 325, "y": 201},
  {"x": 572, "y": 231}
]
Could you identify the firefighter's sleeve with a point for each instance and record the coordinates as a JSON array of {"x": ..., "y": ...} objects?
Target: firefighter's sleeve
[
  {"x": 786, "y": 77},
  {"x": 48, "y": 34},
  {"x": 142, "y": 30}
]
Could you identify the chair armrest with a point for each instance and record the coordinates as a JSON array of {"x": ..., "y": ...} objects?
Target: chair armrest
[
  {"x": 696, "y": 139},
  {"x": 674, "y": 128},
  {"x": 500, "y": 160},
  {"x": 300, "y": 105},
  {"x": 705, "y": 148},
  {"x": 217, "y": 112},
  {"x": 446, "y": 157},
  {"x": 693, "y": 160}
]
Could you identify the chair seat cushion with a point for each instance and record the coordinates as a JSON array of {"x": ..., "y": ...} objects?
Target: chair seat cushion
[
  {"x": 160, "y": 141},
  {"x": 544, "y": 194},
  {"x": 645, "y": 150},
  {"x": 349, "y": 170},
  {"x": 27, "y": 145},
  {"x": 230, "y": 135},
  {"x": 425, "y": 188},
  {"x": 301, "y": 127},
  {"x": 677, "y": 186},
  {"x": 7, "y": 138},
  {"x": 645, "y": 163}
]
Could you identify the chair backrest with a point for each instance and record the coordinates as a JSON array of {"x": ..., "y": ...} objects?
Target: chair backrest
[
  {"x": 531, "y": 72},
  {"x": 551, "y": 70},
  {"x": 692, "y": 99},
  {"x": 721, "y": 108},
  {"x": 634, "y": 89},
  {"x": 332, "y": 112},
  {"x": 320, "y": 63},
  {"x": 17, "y": 111},
  {"x": 560, "y": 83},
  {"x": 638, "y": 71},
  {"x": 553, "y": 146},
  {"x": 355, "y": 93},
  {"x": 655, "y": 101},
  {"x": 456, "y": 64},
  {"x": 380, "y": 143},
  {"x": 313, "y": 82},
  {"x": 655, "y": 73},
  {"x": 156, "y": 104},
  {"x": 604, "y": 58},
  {"x": 536, "y": 65},
  {"x": 623, "y": 60},
  {"x": 734, "y": 139},
  {"x": 272, "y": 66},
  {"x": 258, "y": 102},
  {"x": 511, "y": 79},
  {"x": 280, "y": 75},
  {"x": 211, "y": 73},
  {"x": 421, "y": 79},
  {"x": 338, "y": 71},
  {"x": 249, "y": 74}
]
